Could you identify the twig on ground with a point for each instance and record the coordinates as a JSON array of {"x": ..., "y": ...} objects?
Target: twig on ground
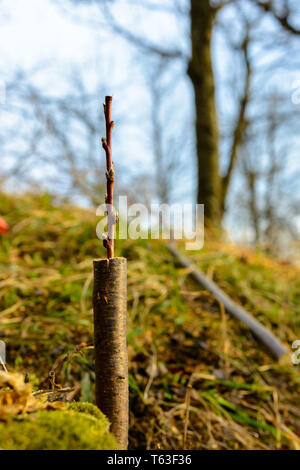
[
  {"x": 187, "y": 413},
  {"x": 273, "y": 344},
  {"x": 60, "y": 362}
]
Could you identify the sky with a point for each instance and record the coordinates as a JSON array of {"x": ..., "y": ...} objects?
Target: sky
[
  {"x": 37, "y": 32},
  {"x": 34, "y": 33}
]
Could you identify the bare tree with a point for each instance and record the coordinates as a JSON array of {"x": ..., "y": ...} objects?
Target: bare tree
[
  {"x": 204, "y": 17},
  {"x": 269, "y": 187},
  {"x": 64, "y": 129},
  {"x": 58, "y": 137},
  {"x": 168, "y": 149},
  {"x": 282, "y": 11}
]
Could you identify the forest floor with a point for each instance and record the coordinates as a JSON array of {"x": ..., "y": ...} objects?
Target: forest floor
[{"x": 198, "y": 378}]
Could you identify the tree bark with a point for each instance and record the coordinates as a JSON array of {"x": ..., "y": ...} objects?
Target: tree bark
[
  {"x": 111, "y": 363},
  {"x": 201, "y": 73}
]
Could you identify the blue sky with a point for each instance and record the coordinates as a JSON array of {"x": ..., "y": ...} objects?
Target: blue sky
[{"x": 36, "y": 32}]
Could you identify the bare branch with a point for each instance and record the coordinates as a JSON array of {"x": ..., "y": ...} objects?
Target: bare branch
[
  {"x": 137, "y": 40},
  {"x": 241, "y": 122},
  {"x": 282, "y": 18}
]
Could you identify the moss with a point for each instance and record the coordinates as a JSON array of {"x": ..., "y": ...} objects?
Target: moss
[
  {"x": 91, "y": 410},
  {"x": 81, "y": 427}
]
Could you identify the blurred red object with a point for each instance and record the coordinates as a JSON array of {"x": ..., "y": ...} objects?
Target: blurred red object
[{"x": 3, "y": 226}]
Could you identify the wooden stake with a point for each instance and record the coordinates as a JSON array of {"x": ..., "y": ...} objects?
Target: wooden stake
[{"x": 111, "y": 363}]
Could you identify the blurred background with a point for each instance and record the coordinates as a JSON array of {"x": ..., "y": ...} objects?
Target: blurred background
[{"x": 206, "y": 106}]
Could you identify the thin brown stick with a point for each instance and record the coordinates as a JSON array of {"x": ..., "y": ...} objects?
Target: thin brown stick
[
  {"x": 187, "y": 414},
  {"x": 108, "y": 242},
  {"x": 152, "y": 372},
  {"x": 50, "y": 390},
  {"x": 60, "y": 361},
  {"x": 225, "y": 341}
]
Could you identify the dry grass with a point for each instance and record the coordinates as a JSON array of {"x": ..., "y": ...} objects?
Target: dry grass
[{"x": 197, "y": 378}]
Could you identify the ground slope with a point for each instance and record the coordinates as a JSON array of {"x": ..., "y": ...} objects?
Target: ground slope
[{"x": 197, "y": 378}]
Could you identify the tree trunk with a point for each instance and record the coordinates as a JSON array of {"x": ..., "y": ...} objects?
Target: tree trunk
[{"x": 201, "y": 73}]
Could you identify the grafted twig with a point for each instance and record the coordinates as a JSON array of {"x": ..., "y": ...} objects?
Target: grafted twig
[
  {"x": 108, "y": 241},
  {"x": 110, "y": 313}
]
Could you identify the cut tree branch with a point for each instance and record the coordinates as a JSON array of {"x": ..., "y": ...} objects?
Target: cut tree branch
[{"x": 111, "y": 361}]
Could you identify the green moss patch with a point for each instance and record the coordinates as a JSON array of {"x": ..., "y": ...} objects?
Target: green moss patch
[{"x": 81, "y": 427}]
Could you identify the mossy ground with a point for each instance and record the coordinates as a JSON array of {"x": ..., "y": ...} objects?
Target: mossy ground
[
  {"x": 240, "y": 398},
  {"x": 80, "y": 427}
]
